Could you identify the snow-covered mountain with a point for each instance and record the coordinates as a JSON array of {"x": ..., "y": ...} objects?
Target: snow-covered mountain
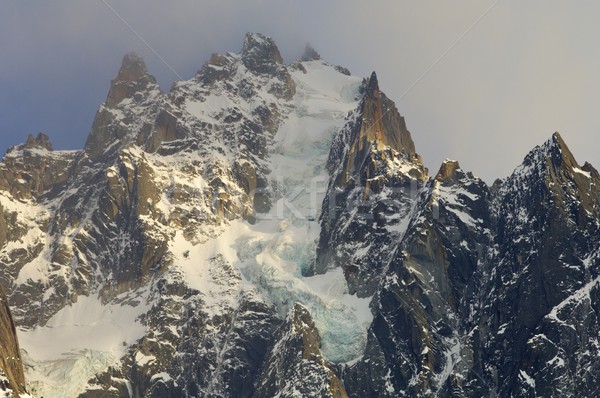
[{"x": 268, "y": 229}]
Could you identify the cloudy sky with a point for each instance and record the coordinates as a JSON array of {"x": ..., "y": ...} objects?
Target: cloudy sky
[{"x": 478, "y": 81}]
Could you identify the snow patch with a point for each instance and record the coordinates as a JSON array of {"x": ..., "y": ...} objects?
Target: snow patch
[
  {"x": 527, "y": 379},
  {"x": 579, "y": 171},
  {"x": 577, "y": 297},
  {"x": 79, "y": 341}
]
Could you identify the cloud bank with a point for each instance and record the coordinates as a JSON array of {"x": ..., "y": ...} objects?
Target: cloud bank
[{"x": 521, "y": 73}]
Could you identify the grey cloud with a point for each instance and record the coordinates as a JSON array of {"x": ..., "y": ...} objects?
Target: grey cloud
[{"x": 526, "y": 70}]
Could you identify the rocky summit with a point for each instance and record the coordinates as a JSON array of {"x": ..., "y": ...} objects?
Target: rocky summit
[{"x": 267, "y": 229}]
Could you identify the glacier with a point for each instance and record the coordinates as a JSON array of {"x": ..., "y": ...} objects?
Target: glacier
[{"x": 270, "y": 255}]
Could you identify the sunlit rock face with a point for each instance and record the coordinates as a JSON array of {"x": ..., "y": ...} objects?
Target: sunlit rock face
[
  {"x": 375, "y": 176},
  {"x": 12, "y": 378}
]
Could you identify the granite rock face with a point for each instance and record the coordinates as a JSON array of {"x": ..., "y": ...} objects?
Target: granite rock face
[
  {"x": 266, "y": 229},
  {"x": 375, "y": 175},
  {"x": 296, "y": 367},
  {"x": 12, "y": 378},
  {"x": 546, "y": 277}
]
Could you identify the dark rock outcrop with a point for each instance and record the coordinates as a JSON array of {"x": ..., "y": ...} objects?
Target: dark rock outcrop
[
  {"x": 11, "y": 364},
  {"x": 310, "y": 54},
  {"x": 261, "y": 55},
  {"x": 133, "y": 77},
  {"x": 128, "y": 112},
  {"x": 31, "y": 169},
  {"x": 296, "y": 366},
  {"x": 421, "y": 342},
  {"x": 548, "y": 234},
  {"x": 40, "y": 141}
]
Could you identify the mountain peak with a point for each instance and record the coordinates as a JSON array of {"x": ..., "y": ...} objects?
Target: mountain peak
[
  {"x": 588, "y": 168},
  {"x": 310, "y": 54},
  {"x": 132, "y": 77},
  {"x": 132, "y": 88},
  {"x": 557, "y": 144},
  {"x": 378, "y": 127},
  {"x": 557, "y": 138},
  {"x": 448, "y": 170},
  {"x": 259, "y": 50},
  {"x": 559, "y": 153},
  {"x": 132, "y": 68},
  {"x": 553, "y": 167},
  {"x": 40, "y": 141},
  {"x": 554, "y": 152},
  {"x": 373, "y": 84},
  {"x": 381, "y": 121}
]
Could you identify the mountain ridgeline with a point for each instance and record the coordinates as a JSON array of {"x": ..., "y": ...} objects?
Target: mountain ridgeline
[{"x": 268, "y": 229}]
